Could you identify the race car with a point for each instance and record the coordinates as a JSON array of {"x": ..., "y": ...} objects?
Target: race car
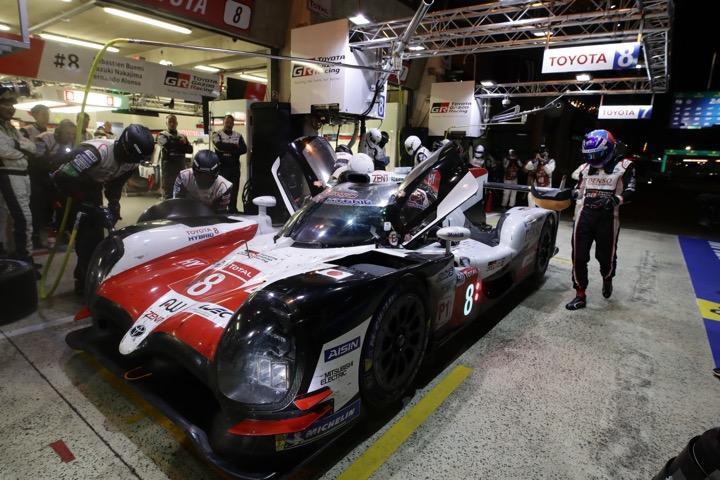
[{"x": 263, "y": 344}]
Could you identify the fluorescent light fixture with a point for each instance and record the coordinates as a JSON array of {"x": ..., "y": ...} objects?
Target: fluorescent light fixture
[
  {"x": 583, "y": 77},
  {"x": 359, "y": 19},
  {"x": 542, "y": 34},
  {"x": 253, "y": 78},
  {"x": 639, "y": 65},
  {"x": 75, "y": 41},
  {"x": 205, "y": 68},
  {"x": 165, "y": 62},
  {"x": 76, "y": 109},
  {"x": 27, "y": 106},
  {"x": 147, "y": 20},
  {"x": 487, "y": 83},
  {"x": 416, "y": 48},
  {"x": 94, "y": 98},
  {"x": 688, "y": 148},
  {"x": 4, "y": 27}
]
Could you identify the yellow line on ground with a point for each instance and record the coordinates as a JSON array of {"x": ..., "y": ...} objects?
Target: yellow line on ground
[
  {"x": 562, "y": 259},
  {"x": 391, "y": 440},
  {"x": 708, "y": 309}
]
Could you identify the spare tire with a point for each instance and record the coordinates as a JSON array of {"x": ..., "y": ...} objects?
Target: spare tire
[
  {"x": 18, "y": 290},
  {"x": 176, "y": 208}
]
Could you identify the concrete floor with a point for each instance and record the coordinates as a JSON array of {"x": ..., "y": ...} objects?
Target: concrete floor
[{"x": 609, "y": 392}]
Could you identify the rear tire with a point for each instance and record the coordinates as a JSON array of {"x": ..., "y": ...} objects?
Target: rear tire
[
  {"x": 544, "y": 252},
  {"x": 18, "y": 290},
  {"x": 395, "y": 347}
]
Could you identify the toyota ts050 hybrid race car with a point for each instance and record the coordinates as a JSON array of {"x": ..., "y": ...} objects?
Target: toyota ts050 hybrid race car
[{"x": 266, "y": 343}]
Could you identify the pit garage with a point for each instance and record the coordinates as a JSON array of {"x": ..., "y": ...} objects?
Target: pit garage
[{"x": 340, "y": 239}]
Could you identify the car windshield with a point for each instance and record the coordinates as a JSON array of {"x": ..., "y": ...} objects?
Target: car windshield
[{"x": 345, "y": 215}]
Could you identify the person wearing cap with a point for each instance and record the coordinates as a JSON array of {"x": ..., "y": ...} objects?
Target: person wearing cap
[
  {"x": 41, "y": 115},
  {"x": 15, "y": 150},
  {"x": 94, "y": 166}
]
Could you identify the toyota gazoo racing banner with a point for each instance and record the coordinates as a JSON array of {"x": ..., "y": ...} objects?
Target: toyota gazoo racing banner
[
  {"x": 625, "y": 112},
  {"x": 453, "y": 107},
  {"x": 610, "y": 56}
]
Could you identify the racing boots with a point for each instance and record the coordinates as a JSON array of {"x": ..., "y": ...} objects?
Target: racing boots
[
  {"x": 578, "y": 302},
  {"x": 607, "y": 287}
]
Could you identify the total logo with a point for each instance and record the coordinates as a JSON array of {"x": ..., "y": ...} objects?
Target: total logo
[{"x": 450, "y": 107}]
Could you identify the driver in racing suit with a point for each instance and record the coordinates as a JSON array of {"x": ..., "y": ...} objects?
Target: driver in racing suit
[
  {"x": 374, "y": 146},
  {"x": 202, "y": 182},
  {"x": 605, "y": 182},
  {"x": 96, "y": 165},
  {"x": 414, "y": 148}
]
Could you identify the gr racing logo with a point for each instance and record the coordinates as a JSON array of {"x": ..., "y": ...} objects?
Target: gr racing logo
[
  {"x": 177, "y": 79},
  {"x": 342, "y": 349},
  {"x": 440, "y": 107}
]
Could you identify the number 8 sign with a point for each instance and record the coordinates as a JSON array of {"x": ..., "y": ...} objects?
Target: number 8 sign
[
  {"x": 237, "y": 14},
  {"x": 626, "y": 57}
]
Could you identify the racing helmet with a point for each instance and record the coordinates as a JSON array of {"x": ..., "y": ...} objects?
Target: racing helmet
[
  {"x": 206, "y": 168},
  {"x": 412, "y": 143},
  {"x": 373, "y": 137},
  {"x": 512, "y": 154},
  {"x": 598, "y": 148},
  {"x": 479, "y": 151},
  {"x": 135, "y": 145},
  {"x": 12, "y": 90},
  {"x": 438, "y": 144},
  {"x": 361, "y": 163}
]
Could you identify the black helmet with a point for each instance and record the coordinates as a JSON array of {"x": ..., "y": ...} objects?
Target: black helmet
[
  {"x": 343, "y": 148},
  {"x": 135, "y": 145},
  {"x": 206, "y": 167},
  {"x": 12, "y": 90}
]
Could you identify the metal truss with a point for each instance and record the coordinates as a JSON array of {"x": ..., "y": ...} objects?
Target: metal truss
[
  {"x": 598, "y": 86},
  {"x": 520, "y": 24}
]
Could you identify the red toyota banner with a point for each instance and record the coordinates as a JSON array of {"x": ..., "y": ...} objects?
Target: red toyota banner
[{"x": 226, "y": 16}]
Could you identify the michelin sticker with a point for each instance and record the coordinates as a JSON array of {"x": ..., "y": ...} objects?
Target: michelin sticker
[{"x": 319, "y": 429}]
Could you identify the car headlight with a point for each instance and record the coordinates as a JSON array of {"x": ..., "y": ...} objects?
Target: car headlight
[
  {"x": 256, "y": 358},
  {"x": 104, "y": 258}
]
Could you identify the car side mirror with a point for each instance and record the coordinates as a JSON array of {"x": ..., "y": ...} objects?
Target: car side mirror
[
  {"x": 452, "y": 234},
  {"x": 264, "y": 221}
]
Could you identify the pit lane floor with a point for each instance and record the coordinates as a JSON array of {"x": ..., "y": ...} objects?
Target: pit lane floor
[{"x": 609, "y": 392}]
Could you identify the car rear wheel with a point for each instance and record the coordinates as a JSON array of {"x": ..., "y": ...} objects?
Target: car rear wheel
[
  {"x": 395, "y": 348},
  {"x": 544, "y": 250},
  {"x": 18, "y": 290}
]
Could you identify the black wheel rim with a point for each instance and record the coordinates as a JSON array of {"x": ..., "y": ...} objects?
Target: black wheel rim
[
  {"x": 400, "y": 341},
  {"x": 544, "y": 249}
]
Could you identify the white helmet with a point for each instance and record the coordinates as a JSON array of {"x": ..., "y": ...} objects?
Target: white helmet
[
  {"x": 412, "y": 143},
  {"x": 479, "y": 151},
  {"x": 373, "y": 136},
  {"x": 361, "y": 163}
]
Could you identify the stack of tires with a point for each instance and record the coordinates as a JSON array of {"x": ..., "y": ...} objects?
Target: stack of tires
[
  {"x": 699, "y": 460},
  {"x": 18, "y": 290}
]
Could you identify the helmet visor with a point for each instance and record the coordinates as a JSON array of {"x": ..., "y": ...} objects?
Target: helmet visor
[
  {"x": 596, "y": 159},
  {"x": 204, "y": 180}
]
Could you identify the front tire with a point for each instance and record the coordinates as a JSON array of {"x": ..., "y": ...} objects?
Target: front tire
[
  {"x": 395, "y": 347},
  {"x": 544, "y": 250}
]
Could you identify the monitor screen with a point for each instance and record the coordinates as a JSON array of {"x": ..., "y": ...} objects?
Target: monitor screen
[{"x": 695, "y": 110}]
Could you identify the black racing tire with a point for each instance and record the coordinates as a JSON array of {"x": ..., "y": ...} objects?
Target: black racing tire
[
  {"x": 395, "y": 347},
  {"x": 544, "y": 252},
  {"x": 18, "y": 290},
  {"x": 175, "y": 208}
]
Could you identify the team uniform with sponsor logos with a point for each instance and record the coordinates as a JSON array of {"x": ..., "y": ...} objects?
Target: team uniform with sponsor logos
[
  {"x": 229, "y": 147},
  {"x": 173, "y": 146},
  {"x": 512, "y": 168},
  {"x": 598, "y": 221},
  {"x": 93, "y": 168},
  {"x": 540, "y": 173},
  {"x": 216, "y": 197}
]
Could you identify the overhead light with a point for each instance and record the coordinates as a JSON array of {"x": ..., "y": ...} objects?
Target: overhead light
[
  {"x": 359, "y": 19},
  {"x": 206, "y": 68},
  {"x": 147, "y": 20},
  {"x": 93, "y": 98},
  {"x": 688, "y": 148},
  {"x": 165, "y": 62},
  {"x": 76, "y": 109},
  {"x": 4, "y": 27},
  {"x": 27, "y": 106},
  {"x": 75, "y": 41},
  {"x": 253, "y": 78},
  {"x": 487, "y": 83},
  {"x": 66, "y": 1},
  {"x": 613, "y": 6},
  {"x": 542, "y": 34},
  {"x": 639, "y": 65},
  {"x": 416, "y": 48},
  {"x": 583, "y": 77}
]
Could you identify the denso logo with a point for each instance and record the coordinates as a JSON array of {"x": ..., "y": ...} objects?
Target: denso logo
[
  {"x": 342, "y": 349},
  {"x": 177, "y": 79}
]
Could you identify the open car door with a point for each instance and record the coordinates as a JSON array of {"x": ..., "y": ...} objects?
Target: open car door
[
  {"x": 431, "y": 192},
  {"x": 303, "y": 170}
]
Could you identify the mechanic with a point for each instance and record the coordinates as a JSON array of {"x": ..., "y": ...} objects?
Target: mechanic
[
  {"x": 343, "y": 154},
  {"x": 230, "y": 145},
  {"x": 96, "y": 165},
  {"x": 414, "y": 148},
  {"x": 512, "y": 165},
  {"x": 605, "y": 182},
  {"x": 374, "y": 147},
  {"x": 15, "y": 150},
  {"x": 53, "y": 149},
  {"x": 104, "y": 131},
  {"x": 203, "y": 182},
  {"x": 41, "y": 115},
  {"x": 173, "y": 146},
  {"x": 38, "y": 178},
  {"x": 540, "y": 170},
  {"x": 478, "y": 156},
  {"x": 84, "y": 122}
]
